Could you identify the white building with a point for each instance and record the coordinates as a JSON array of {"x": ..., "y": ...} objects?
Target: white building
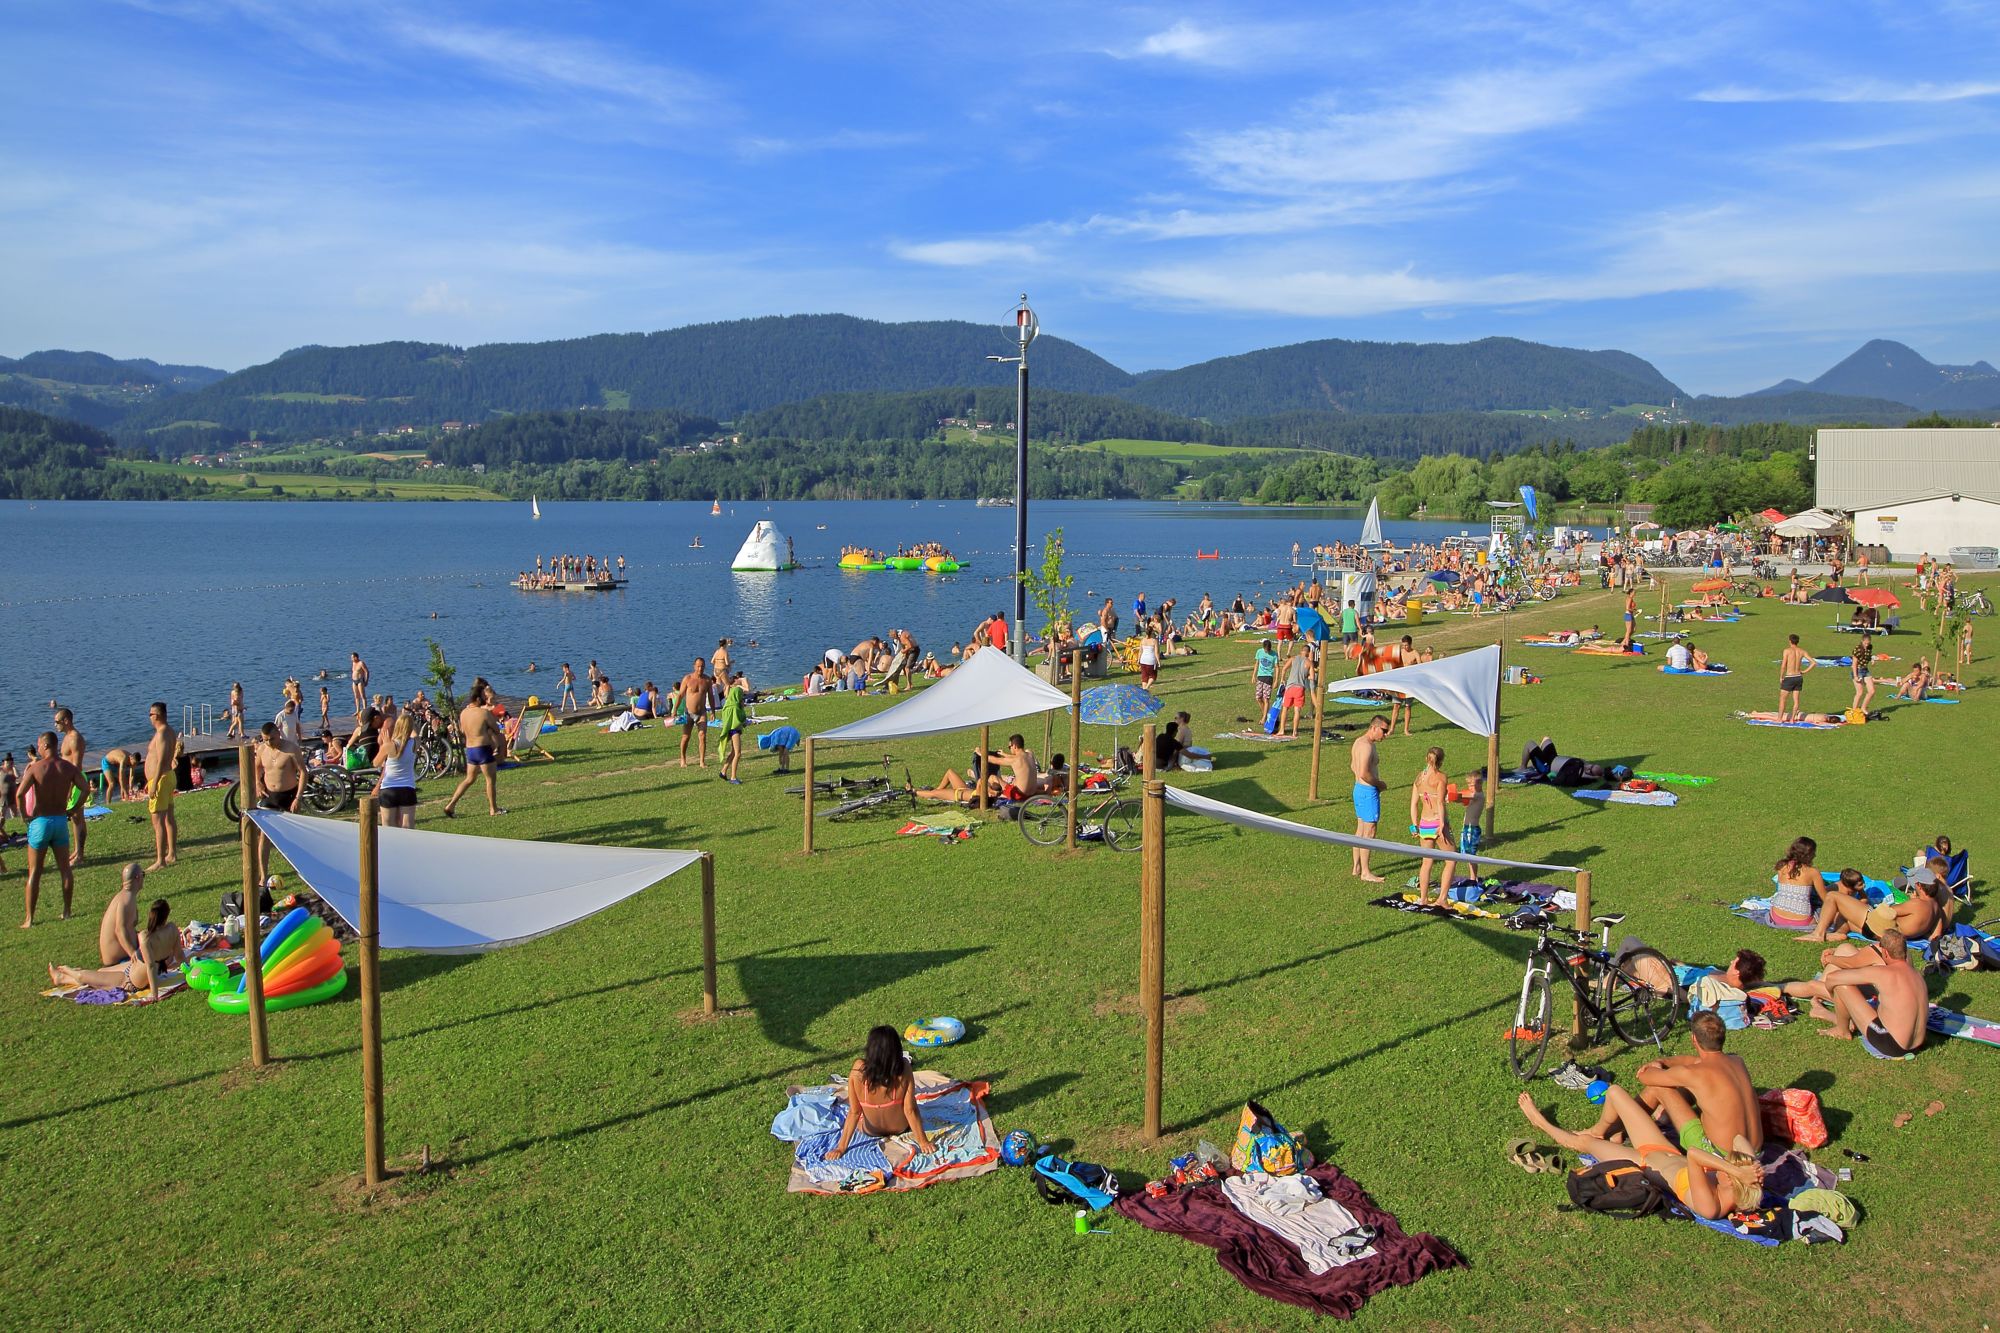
[{"x": 1913, "y": 490}]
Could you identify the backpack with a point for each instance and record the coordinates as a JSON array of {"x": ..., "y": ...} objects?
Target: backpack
[
  {"x": 1620, "y": 1189},
  {"x": 1262, "y": 1144},
  {"x": 1965, "y": 953},
  {"x": 1071, "y": 1183}
]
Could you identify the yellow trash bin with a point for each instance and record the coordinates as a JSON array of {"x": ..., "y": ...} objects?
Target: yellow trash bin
[{"x": 1413, "y": 613}]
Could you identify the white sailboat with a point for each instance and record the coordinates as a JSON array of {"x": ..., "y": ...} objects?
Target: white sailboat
[
  {"x": 535, "y": 505},
  {"x": 1371, "y": 527}
]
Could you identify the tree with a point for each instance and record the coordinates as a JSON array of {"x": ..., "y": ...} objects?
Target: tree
[
  {"x": 440, "y": 675},
  {"x": 1049, "y": 589}
]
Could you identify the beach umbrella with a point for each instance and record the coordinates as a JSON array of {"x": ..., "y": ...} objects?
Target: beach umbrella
[
  {"x": 1313, "y": 625},
  {"x": 1446, "y": 576},
  {"x": 1772, "y": 516},
  {"x": 1875, "y": 597},
  {"x": 1711, "y": 585},
  {"x": 1118, "y": 705},
  {"x": 1832, "y": 594}
]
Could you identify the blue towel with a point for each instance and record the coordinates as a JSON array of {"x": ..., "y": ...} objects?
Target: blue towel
[{"x": 784, "y": 738}]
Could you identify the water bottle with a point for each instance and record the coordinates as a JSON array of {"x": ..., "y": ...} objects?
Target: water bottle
[{"x": 1082, "y": 1222}]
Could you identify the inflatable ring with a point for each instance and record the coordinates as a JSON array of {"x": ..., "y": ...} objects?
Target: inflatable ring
[
  {"x": 934, "y": 1032},
  {"x": 237, "y": 1002}
]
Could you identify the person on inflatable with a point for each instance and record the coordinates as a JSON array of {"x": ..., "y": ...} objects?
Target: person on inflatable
[{"x": 882, "y": 1094}]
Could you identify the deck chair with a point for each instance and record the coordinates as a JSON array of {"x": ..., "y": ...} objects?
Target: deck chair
[{"x": 528, "y": 735}]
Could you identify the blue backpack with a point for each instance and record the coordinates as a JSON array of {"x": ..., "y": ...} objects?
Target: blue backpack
[{"x": 1073, "y": 1183}]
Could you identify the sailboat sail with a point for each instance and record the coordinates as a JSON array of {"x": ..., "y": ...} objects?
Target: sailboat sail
[
  {"x": 1371, "y": 527},
  {"x": 535, "y": 505}
]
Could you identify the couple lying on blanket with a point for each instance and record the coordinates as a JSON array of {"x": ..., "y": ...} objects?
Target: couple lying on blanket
[{"x": 887, "y": 1127}]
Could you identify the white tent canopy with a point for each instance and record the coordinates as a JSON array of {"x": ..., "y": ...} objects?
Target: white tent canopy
[
  {"x": 1811, "y": 523},
  {"x": 1236, "y": 814},
  {"x": 1465, "y": 690},
  {"x": 454, "y": 893},
  {"x": 991, "y": 687}
]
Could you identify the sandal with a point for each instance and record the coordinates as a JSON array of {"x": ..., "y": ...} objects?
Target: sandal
[{"x": 1533, "y": 1159}]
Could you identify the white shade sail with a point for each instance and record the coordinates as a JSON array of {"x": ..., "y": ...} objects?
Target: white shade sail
[
  {"x": 1811, "y": 523},
  {"x": 1464, "y": 690},
  {"x": 454, "y": 893},
  {"x": 992, "y": 687},
  {"x": 1236, "y": 814}
]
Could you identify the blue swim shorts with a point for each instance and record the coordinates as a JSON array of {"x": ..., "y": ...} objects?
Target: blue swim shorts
[
  {"x": 1367, "y": 803},
  {"x": 48, "y": 831},
  {"x": 477, "y": 754}
]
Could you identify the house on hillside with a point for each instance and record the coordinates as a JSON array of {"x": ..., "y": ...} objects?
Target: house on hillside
[{"x": 452, "y": 427}]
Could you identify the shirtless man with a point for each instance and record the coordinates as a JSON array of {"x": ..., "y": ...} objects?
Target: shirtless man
[
  {"x": 163, "y": 753},
  {"x": 1708, "y": 1095},
  {"x": 1024, "y": 774},
  {"x": 1846, "y": 905},
  {"x": 1368, "y": 789},
  {"x": 1792, "y": 668},
  {"x": 71, "y": 747},
  {"x": 1891, "y": 1021},
  {"x": 1402, "y": 653},
  {"x": 118, "y": 768},
  {"x": 357, "y": 675},
  {"x": 281, "y": 780},
  {"x": 132, "y": 958},
  {"x": 46, "y": 787},
  {"x": 691, "y": 704},
  {"x": 1631, "y": 619},
  {"x": 482, "y": 749}
]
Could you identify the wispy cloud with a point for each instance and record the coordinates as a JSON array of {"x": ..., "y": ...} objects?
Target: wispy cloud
[
  {"x": 1858, "y": 90},
  {"x": 966, "y": 253},
  {"x": 1223, "y": 45},
  {"x": 437, "y": 298},
  {"x": 840, "y": 141}
]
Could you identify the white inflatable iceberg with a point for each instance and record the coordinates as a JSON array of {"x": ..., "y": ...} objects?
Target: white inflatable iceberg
[{"x": 765, "y": 549}]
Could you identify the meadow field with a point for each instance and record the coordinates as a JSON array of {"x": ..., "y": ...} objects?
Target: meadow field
[
  {"x": 234, "y": 483},
  {"x": 599, "y": 1150}
]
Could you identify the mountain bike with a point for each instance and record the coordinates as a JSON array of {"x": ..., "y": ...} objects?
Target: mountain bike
[
  {"x": 1634, "y": 996},
  {"x": 882, "y": 793},
  {"x": 1976, "y": 603},
  {"x": 1102, "y": 817}
]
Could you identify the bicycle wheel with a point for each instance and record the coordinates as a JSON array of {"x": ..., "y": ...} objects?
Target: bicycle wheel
[
  {"x": 433, "y": 758},
  {"x": 1043, "y": 821},
  {"x": 1121, "y": 825},
  {"x": 1640, "y": 1010},
  {"x": 326, "y": 791},
  {"x": 232, "y": 803},
  {"x": 1528, "y": 1039}
]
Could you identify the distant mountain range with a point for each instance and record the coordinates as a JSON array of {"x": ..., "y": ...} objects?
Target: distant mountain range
[
  {"x": 746, "y": 369},
  {"x": 1889, "y": 370}
]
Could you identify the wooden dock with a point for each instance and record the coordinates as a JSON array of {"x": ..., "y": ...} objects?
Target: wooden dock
[{"x": 571, "y": 585}]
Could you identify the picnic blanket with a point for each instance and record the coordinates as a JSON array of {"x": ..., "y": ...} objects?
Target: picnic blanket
[
  {"x": 1269, "y": 1265},
  {"x": 171, "y": 983},
  {"x": 955, "y": 1119},
  {"x": 1690, "y": 671},
  {"x": 1407, "y": 902},
  {"x": 1619, "y": 796}
]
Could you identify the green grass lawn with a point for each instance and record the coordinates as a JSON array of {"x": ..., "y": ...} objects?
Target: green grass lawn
[
  {"x": 603, "y": 1155},
  {"x": 234, "y": 483},
  {"x": 300, "y": 396},
  {"x": 1176, "y": 451}
]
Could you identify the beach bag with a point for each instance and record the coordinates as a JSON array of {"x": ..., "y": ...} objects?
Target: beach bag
[
  {"x": 1262, "y": 1144},
  {"x": 1792, "y": 1115},
  {"x": 1855, "y": 717},
  {"x": 1068, "y": 1184},
  {"x": 1618, "y": 1189},
  {"x": 1271, "y": 719}
]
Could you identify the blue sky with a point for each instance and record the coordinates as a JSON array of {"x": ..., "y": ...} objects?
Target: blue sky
[{"x": 1736, "y": 193}]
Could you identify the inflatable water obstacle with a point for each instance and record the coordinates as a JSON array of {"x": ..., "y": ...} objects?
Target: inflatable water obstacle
[
  {"x": 302, "y": 965},
  {"x": 765, "y": 550}
]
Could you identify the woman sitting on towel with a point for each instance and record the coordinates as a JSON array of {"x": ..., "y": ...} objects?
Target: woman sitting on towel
[
  {"x": 882, "y": 1094},
  {"x": 1799, "y": 885}
]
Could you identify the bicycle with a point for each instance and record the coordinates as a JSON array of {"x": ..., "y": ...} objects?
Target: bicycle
[
  {"x": 1112, "y": 820},
  {"x": 1609, "y": 991},
  {"x": 885, "y": 794},
  {"x": 1976, "y": 603}
]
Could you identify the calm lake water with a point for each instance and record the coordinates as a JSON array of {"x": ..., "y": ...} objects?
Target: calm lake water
[{"x": 112, "y": 605}]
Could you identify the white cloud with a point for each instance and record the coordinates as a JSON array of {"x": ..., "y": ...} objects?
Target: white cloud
[
  {"x": 966, "y": 253},
  {"x": 1222, "y": 45},
  {"x": 1859, "y": 90},
  {"x": 836, "y": 142},
  {"x": 545, "y": 61},
  {"x": 1447, "y": 128},
  {"x": 437, "y": 298}
]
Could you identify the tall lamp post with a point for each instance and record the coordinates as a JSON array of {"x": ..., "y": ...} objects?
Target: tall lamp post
[{"x": 1025, "y": 328}]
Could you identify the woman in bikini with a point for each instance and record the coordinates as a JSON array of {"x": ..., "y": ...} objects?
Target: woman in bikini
[
  {"x": 1708, "y": 1185},
  {"x": 882, "y": 1095},
  {"x": 1864, "y": 683},
  {"x": 1798, "y": 883},
  {"x": 1428, "y": 822},
  {"x": 161, "y": 950}
]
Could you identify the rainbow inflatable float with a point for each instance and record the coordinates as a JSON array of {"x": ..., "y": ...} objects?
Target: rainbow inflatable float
[{"x": 302, "y": 965}]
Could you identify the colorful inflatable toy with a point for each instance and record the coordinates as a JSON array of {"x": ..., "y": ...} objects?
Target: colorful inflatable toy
[
  {"x": 1019, "y": 1148},
  {"x": 302, "y": 965},
  {"x": 934, "y": 1032}
]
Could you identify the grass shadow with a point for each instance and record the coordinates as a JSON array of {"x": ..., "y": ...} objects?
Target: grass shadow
[
  {"x": 789, "y": 993},
  {"x": 1276, "y": 968},
  {"x": 1011, "y": 1101}
]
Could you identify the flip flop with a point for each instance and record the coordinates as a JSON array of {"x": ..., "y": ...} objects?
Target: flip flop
[{"x": 1530, "y": 1158}]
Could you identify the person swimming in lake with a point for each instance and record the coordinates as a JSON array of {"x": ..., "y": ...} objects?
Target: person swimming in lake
[{"x": 882, "y": 1095}]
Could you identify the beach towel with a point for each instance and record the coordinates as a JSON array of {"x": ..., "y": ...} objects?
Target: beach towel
[
  {"x": 1616, "y": 796},
  {"x": 1928, "y": 698},
  {"x": 1250, "y": 736},
  {"x": 172, "y": 983},
  {"x": 1677, "y": 779},
  {"x": 784, "y": 738},
  {"x": 955, "y": 1120},
  {"x": 1690, "y": 671},
  {"x": 1611, "y": 650},
  {"x": 1799, "y": 726},
  {"x": 1407, "y": 902},
  {"x": 1951, "y": 1023},
  {"x": 1271, "y": 1266}
]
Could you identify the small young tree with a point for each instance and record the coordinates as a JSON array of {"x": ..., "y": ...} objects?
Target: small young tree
[
  {"x": 1049, "y": 589},
  {"x": 440, "y": 676}
]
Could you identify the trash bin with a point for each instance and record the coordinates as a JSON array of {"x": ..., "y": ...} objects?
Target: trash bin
[{"x": 1413, "y": 613}]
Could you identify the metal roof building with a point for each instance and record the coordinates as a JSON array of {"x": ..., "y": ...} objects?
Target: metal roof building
[{"x": 1913, "y": 489}]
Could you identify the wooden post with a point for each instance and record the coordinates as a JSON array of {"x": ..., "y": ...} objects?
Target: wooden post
[
  {"x": 1583, "y": 928},
  {"x": 1146, "y": 777},
  {"x": 1153, "y": 944},
  {"x": 809, "y": 795},
  {"x": 1075, "y": 744},
  {"x": 253, "y": 964},
  {"x": 1319, "y": 719},
  {"x": 985, "y": 748},
  {"x": 708, "y": 933},
  {"x": 1493, "y": 741},
  {"x": 372, "y": 1168}
]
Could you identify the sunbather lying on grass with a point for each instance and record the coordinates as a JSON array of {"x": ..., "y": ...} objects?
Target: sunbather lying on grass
[{"x": 1709, "y": 1185}]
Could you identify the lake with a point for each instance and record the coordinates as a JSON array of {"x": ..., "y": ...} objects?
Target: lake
[{"x": 113, "y": 605}]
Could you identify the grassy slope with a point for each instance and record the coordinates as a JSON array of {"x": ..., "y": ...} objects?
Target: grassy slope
[
  {"x": 1176, "y": 451},
  {"x": 300, "y": 485},
  {"x": 607, "y": 1161}
]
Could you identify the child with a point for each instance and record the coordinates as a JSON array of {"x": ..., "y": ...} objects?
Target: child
[
  {"x": 1427, "y": 821},
  {"x": 1965, "y": 645},
  {"x": 1472, "y": 831}
]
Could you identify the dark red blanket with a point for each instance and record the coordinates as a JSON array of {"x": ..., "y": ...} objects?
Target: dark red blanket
[{"x": 1263, "y": 1261}]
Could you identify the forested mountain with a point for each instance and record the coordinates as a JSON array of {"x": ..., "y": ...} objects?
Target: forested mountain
[
  {"x": 1075, "y": 417},
  {"x": 1341, "y": 376},
  {"x": 49, "y": 458},
  {"x": 91, "y": 387},
  {"x": 717, "y": 370},
  {"x": 97, "y": 368},
  {"x": 1408, "y": 435},
  {"x": 1885, "y": 369},
  {"x": 546, "y": 438},
  {"x": 1799, "y": 405}
]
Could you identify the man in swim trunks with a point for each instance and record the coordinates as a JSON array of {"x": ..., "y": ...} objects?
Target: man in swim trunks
[
  {"x": 1891, "y": 1020},
  {"x": 357, "y": 675},
  {"x": 1024, "y": 775},
  {"x": 71, "y": 747},
  {"x": 1368, "y": 789},
  {"x": 163, "y": 754},
  {"x": 1631, "y": 615},
  {"x": 46, "y": 788},
  {"x": 118, "y": 768},
  {"x": 691, "y": 711},
  {"x": 1298, "y": 684},
  {"x": 132, "y": 958},
  {"x": 1708, "y": 1095},
  {"x": 482, "y": 749},
  {"x": 281, "y": 779},
  {"x": 1792, "y": 667}
]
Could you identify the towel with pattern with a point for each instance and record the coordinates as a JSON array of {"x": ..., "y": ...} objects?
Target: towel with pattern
[{"x": 955, "y": 1120}]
